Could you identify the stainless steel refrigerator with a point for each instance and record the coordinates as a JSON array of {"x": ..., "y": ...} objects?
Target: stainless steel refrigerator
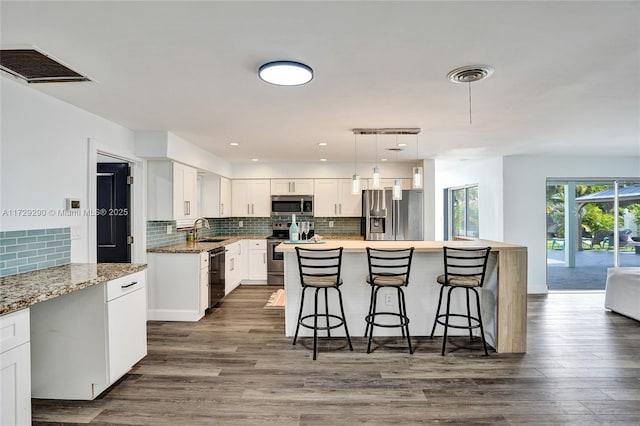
[{"x": 386, "y": 219}]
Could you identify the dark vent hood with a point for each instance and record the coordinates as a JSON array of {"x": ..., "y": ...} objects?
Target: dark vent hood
[{"x": 36, "y": 67}]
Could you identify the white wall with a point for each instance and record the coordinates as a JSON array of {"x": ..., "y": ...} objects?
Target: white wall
[
  {"x": 44, "y": 159},
  {"x": 487, "y": 174},
  {"x": 525, "y": 199}
]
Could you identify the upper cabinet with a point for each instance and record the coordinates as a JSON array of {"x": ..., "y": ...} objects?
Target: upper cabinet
[
  {"x": 251, "y": 198},
  {"x": 388, "y": 183},
  {"x": 225, "y": 197},
  {"x": 291, "y": 186},
  {"x": 216, "y": 196},
  {"x": 171, "y": 191},
  {"x": 333, "y": 198}
]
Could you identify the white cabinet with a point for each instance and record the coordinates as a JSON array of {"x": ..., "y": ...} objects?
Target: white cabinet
[
  {"x": 178, "y": 287},
  {"x": 15, "y": 369},
  {"x": 225, "y": 197},
  {"x": 234, "y": 270},
  {"x": 251, "y": 198},
  {"x": 291, "y": 186},
  {"x": 126, "y": 323},
  {"x": 84, "y": 341},
  {"x": 257, "y": 265},
  {"x": 171, "y": 191},
  {"x": 333, "y": 198},
  {"x": 388, "y": 183},
  {"x": 215, "y": 196}
]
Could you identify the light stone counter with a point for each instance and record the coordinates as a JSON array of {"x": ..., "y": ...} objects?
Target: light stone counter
[
  {"x": 23, "y": 290},
  {"x": 504, "y": 295},
  {"x": 200, "y": 247}
]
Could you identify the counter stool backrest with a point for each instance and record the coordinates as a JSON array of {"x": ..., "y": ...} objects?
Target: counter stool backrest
[
  {"x": 319, "y": 267},
  {"x": 465, "y": 264},
  {"x": 389, "y": 265}
]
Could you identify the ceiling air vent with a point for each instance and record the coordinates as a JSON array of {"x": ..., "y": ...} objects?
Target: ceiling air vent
[{"x": 36, "y": 67}]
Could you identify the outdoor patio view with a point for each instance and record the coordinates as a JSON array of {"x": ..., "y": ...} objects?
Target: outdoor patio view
[{"x": 580, "y": 245}]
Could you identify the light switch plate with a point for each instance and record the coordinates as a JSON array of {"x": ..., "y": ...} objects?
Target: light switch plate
[
  {"x": 76, "y": 232},
  {"x": 240, "y": 224},
  {"x": 330, "y": 224},
  {"x": 169, "y": 229}
]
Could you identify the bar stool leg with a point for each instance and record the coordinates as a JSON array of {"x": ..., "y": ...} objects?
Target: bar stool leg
[
  {"x": 446, "y": 320},
  {"x": 484, "y": 342},
  {"x": 404, "y": 317},
  {"x": 295, "y": 336},
  {"x": 371, "y": 301},
  {"x": 435, "y": 321},
  {"x": 326, "y": 311},
  {"x": 400, "y": 310},
  {"x": 469, "y": 316},
  {"x": 315, "y": 325},
  {"x": 344, "y": 319},
  {"x": 372, "y": 311}
]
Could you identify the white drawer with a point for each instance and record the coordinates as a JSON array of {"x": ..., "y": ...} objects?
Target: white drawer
[
  {"x": 127, "y": 284},
  {"x": 14, "y": 329},
  {"x": 204, "y": 260},
  {"x": 257, "y": 244}
]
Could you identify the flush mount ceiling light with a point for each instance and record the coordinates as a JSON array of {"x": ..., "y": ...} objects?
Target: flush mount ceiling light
[
  {"x": 469, "y": 74},
  {"x": 322, "y": 144},
  {"x": 285, "y": 73},
  {"x": 234, "y": 143}
]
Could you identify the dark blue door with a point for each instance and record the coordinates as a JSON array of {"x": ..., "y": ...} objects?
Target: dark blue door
[{"x": 113, "y": 218}]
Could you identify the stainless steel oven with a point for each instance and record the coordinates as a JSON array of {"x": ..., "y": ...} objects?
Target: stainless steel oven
[
  {"x": 275, "y": 260},
  {"x": 286, "y": 205}
]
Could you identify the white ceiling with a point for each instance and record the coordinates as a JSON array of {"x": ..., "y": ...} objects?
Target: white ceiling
[{"x": 566, "y": 80}]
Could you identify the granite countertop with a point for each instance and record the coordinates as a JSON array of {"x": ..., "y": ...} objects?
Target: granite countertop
[
  {"x": 23, "y": 290},
  {"x": 199, "y": 247}
]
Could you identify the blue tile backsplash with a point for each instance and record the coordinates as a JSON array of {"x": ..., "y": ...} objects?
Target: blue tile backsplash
[{"x": 29, "y": 250}]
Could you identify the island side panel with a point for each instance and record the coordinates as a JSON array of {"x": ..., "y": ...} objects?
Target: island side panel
[{"x": 512, "y": 301}]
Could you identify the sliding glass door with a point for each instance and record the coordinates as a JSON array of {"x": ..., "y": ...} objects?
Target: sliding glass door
[
  {"x": 591, "y": 225},
  {"x": 462, "y": 212}
]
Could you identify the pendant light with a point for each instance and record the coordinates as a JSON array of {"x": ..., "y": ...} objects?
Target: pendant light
[
  {"x": 376, "y": 171},
  {"x": 355, "y": 180},
  {"x": 396, "y": 192},
  {"x": 417, "y": 170}
]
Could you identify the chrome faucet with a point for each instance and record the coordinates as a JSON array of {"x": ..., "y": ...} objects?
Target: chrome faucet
[{"x": 205, "y": 224}]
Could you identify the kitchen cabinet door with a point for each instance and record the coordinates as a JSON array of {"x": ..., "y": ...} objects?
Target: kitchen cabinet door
[
  {"x": 325, "y": 198},
  {"x": 204, "y": 282},
  {"x": 291, "y": 186},
  {"x": 15, "y": 369},
  {"x": 350, "y": 205},
  {"x": 225, "y": 197},
  {"x": 251, "y": 198},
  {"x": 171, "y": 191},
  {"x": 257, "y": 264},
  {"x": 388, "y": 183}
]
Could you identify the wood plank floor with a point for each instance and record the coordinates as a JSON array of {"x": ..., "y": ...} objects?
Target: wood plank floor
[{"x": 235, "y": 367}]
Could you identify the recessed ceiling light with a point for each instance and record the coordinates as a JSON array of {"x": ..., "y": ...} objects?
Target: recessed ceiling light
[
  {"x": 285, "y": 73},
  {"x": 383, "y": 159},
  {"x": 322, "y": 144},
  {"x": 402, "y": 144},
  {"x": 254, "y": 159},
  {"x": 323, "y": 159},
  {"x": 234, "y": 143}
]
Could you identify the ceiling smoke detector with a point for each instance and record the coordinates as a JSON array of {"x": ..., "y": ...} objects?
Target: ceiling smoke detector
[{"x": 470, "y": 73}]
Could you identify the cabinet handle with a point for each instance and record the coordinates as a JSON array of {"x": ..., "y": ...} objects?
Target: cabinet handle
[
  {"x": 248, "y": 208},
  {"x": 221, "y": 208},
  {"x": 335, "y": 209},
  {"x": 252, "y": 209},
  {"x": 340, "y": 208},
  {"x": 289, "y": 186},
  {"x": 264, "y": 257},
  {"x": 294, "y": 187},
  {"x": 186, "y": 212},
  {"x": 129, "y": 285}
]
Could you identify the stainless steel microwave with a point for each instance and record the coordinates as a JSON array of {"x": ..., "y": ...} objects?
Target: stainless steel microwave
[{"x": 285, "y": 205}]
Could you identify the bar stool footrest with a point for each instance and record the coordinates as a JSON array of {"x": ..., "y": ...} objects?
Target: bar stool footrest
[
  {"x": 320, "y": 317},
  {"x": 404, "y": 321},
  {"x": 465, "y": 327}
]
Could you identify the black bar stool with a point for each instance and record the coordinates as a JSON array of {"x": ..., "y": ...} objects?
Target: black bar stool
[
  {"x": 320, "y": 270},
  {"x": 388, "y": 269},
  {"x": 463, "y": 268}
]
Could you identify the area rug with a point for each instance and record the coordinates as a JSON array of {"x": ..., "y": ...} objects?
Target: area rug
[{"x": 276, "y": 300}]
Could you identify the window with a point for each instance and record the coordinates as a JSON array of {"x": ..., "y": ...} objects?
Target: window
[{"x": 462, "y": 214}]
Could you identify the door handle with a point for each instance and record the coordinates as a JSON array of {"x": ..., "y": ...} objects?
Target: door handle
[{"x": 129, "y": 285}]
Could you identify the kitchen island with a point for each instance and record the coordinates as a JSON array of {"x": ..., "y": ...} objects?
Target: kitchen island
[{"x": 503, "y": 297}]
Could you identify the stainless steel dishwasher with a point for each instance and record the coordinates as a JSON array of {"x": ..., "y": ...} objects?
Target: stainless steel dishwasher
[{"x": 216, "y": 276}]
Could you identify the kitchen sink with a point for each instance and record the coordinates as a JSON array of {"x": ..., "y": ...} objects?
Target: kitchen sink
[{"x": 211, "y": 240}]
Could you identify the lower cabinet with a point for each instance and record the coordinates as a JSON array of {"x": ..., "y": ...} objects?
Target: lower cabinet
[
  {"x": 178, "y": 286},
  {"x": 235, "y": 260},
  {"x": 15, "y": 369},
  {"x": 81, "y": 343},
  {"x": 257, "y": 267}
]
